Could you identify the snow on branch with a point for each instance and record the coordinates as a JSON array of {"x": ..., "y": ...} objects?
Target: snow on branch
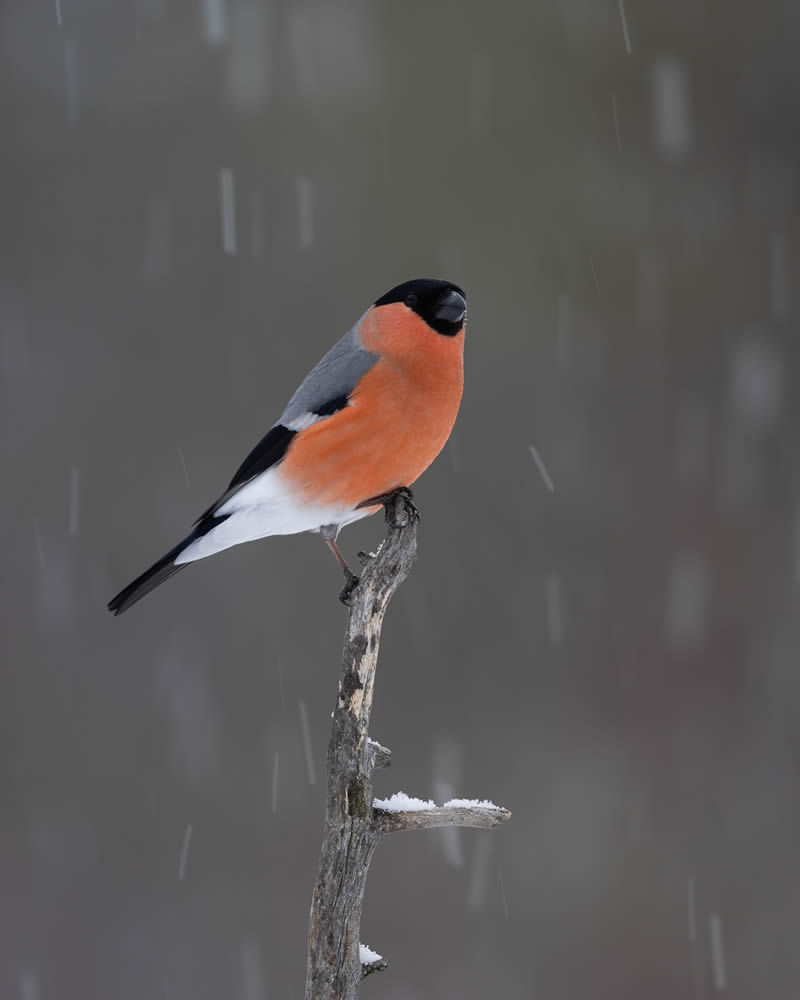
[
  {"x": 400, "y": 802},
  {"x": 402, "y": 812},
  {"x": 371, "y": 961},
  {"x": 477, "y": 816}
]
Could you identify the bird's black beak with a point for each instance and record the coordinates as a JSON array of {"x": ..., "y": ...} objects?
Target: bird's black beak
[{"x": 452, "y": 308}]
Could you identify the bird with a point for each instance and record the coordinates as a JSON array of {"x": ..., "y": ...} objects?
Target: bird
[{"x": 366, "y": 421}]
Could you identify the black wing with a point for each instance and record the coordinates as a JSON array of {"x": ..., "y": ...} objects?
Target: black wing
[{"x": 268, "y": 452}]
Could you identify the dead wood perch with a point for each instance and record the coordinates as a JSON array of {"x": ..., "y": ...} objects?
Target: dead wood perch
[{"x": 353, "y": 827}]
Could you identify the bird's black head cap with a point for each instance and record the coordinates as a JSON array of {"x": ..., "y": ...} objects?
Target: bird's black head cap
[{"x": 441, "y": 304}]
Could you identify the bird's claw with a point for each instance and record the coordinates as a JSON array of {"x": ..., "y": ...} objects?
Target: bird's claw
[
  {"x": 411, "y": 510},
  {"x": 398, "y": 502},
  {"x": 388, "y": 502}
]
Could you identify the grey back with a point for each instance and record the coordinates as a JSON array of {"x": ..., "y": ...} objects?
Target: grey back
[{"x": 334, "y": 376}]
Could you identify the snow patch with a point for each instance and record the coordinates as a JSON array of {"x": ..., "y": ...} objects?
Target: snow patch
[
  {"x": 367, "y": 956},
  {"x": 470, "y": 804},
  {"x": 400, "y": 802}
]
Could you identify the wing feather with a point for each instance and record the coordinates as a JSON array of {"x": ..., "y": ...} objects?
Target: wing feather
[{"x": 323, "y": 392}]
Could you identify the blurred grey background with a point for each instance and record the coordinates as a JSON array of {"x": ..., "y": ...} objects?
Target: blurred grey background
[{"x": 197, "y": 200}]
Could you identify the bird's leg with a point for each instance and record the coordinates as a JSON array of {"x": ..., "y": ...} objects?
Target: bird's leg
[
  {"x": 385, "y": 501},
  {"x": 328, "y": 533}
]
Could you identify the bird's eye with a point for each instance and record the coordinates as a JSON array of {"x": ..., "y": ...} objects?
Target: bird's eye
[{"x": 411, "y": 300}]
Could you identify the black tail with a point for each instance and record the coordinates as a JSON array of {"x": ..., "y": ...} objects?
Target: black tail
[
  {"x": 164, "y": 568},
  {"x": 150, "y": 579}
]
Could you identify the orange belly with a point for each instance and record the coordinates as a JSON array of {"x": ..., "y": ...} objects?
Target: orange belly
[{"x": 396, "y": 423}]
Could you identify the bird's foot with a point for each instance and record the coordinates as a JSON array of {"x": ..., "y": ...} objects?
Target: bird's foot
[
  {"x": 347, "y": 591},
  {"x": 400, "y": 508},
  {"x": 399, "y": 500}
]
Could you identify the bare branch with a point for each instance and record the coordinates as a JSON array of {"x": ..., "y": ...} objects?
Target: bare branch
[
  {"x": 353, "y": 827},
  {"x": 479, "y": 817},
  {"x": 379, "y": 965},
  {"x": 381, "y": 756},
  {"x": 350, "y": 837}
]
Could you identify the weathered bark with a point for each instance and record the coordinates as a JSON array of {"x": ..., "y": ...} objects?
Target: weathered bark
[
  {"x": 477, "y": 817},
  {"x": 352, "y": 827}
]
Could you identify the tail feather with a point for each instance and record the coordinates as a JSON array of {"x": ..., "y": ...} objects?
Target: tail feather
[
  {"x": 150, "y": 579},
  {"x": 164, "y": 568}
]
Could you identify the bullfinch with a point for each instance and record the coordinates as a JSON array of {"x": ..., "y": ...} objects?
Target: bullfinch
[{"x": 366, "y": 421}]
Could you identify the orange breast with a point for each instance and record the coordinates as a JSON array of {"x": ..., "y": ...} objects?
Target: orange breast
[{"x": 399, "y": 417}]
